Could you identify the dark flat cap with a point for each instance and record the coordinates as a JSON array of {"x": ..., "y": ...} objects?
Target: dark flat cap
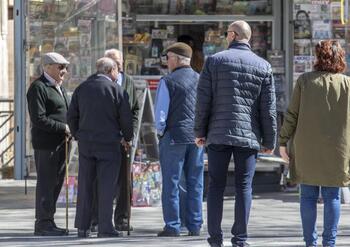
[
  {"x": 53, "y": 58},
  {"x": 180, "y": 48}
]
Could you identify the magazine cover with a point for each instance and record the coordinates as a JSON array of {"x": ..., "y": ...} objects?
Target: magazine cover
[
  {"x": 321, "y": 29},
  {"x": 302, "y": 47},
  {"x": 147, "y": 184},
  {"x": 276, "y": 59},
  {"x": 312, "y": 11},
  {"x": 302, "y": 25},
  {"x": 303, "y": 64},
  {"x": 335, "y": 10},
  {"x": 338, "y": 29}
]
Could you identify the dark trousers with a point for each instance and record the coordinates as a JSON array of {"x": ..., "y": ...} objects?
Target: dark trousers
[
  {"x": 218, "y": 161},
  {"x": 103, "y": 165},
  {"x": 121, "y": 209},
  {"x": 121, "y": 212},
  {"x": 50, "y": 168}
]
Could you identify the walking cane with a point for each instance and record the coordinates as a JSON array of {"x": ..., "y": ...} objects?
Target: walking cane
[
  {"x": 66, "y": 161},
  {"x": 128, "y": 191}
]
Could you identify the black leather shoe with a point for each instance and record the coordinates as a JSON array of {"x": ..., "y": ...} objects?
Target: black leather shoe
[
  {"x": 94, "y": 228},
  {"x": 167, "y": 233},
  {"x": 83, "y": 233},
  {"x": 245, "y": 244},
  {"x": 66, "y": 232},
  {"x": 194, "y": 233},
  {"x": 114, "y": 234},
  {"x": 123, "y": 227},
  {"x": 216, "y": 245},
  {"x": 49, "y": 232}
]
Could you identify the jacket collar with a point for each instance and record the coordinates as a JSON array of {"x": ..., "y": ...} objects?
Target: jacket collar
[
  {"x": 181, "y": 67},
  {"x": 239, "y": 45}
]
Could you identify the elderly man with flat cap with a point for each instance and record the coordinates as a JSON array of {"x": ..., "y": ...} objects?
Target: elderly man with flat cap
[
  {"x": 48, "y": 104},
  {"x": 174, "y": 110}
]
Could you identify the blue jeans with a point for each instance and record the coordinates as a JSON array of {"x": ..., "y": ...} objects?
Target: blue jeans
[
  {"x": 308, "y": 210},
  {"x": 245, "y": 161},
  {"x": 175, "y": 159},
  {"x": 183, "y": 199}
]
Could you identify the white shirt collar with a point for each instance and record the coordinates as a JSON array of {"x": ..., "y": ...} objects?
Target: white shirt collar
[
  {"x": 50, "y": 79},
  {"x": 105, "y": 77}
]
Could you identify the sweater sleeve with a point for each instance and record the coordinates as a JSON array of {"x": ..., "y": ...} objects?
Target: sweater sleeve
[
  {"x": 291, "y": 116},
  {"x": 268, "y": 114},
  {"x": 204, "y": 101},
  {"x": 125, "y": 114},
  {"x": 73, "y": 115},
  {"x": 37, "y": 111}
]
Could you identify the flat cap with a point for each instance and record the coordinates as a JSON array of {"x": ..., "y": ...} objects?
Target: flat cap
[
  {"x": 181, "y": 49},
  {"x": 53, "y": 58}
]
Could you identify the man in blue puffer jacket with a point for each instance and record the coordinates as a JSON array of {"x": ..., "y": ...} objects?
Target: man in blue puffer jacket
[{"x": 235, "y": 114}]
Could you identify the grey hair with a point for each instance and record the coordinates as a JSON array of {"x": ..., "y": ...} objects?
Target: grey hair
[
  {"x": 105, "y": 65},
  {"x": 183, "y": 60},
  {"x": 112, "y": 53}
]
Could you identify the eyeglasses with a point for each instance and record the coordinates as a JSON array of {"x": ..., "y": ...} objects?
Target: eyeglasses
[
  {"x": 229, "y": 31},
  {"x": 168, "y": 57},
  {"x": 62, "y": 67}
]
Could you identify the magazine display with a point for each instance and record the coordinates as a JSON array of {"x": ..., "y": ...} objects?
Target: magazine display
[{"x": 315, "y": 20}]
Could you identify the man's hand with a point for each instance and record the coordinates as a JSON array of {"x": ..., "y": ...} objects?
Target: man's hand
[
  {"x": 200, "y": 141},
  {"x": 266, "y": 151},
  {"x": 126, "y": 145},
  {"x": 284, "y": 153},
  {"x": 67, "y": 130}
]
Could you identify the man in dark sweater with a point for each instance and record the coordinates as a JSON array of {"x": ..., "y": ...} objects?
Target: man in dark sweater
[
  {"x": 99, "y": 117},
  {"x": 47, "y": 106},
  {"x": 121, "y": 212},
  {"x": 174, "y": 111}
]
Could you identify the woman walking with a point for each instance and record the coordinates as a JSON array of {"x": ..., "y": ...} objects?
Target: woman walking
[{"x": 318, "y": 119}]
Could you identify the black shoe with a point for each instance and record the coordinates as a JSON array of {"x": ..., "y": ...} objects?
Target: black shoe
[
  {"x": 114, "y": 234},
  {"x": 245, "y": 244},
  {"x": 83, "y": 233},
  {"x": 49, "y": 232},
  {"x": 123, "y": 227},
  {"x": 65, "y": 231},
  {"x": 194, "y": 233},
  {"x": 94, "y": 228},
  {"x": 216, "y": 245},
  {"x": 167, "y": 233}
]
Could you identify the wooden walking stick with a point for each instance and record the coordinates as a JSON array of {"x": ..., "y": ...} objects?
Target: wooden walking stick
[
  {"x": 66, "y": 161},
  {"x": 128, "y": 186}
]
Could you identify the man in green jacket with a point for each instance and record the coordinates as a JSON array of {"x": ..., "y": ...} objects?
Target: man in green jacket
[
  {"x": 121, "y": 213},
  {"x": 48, "y": 104}
]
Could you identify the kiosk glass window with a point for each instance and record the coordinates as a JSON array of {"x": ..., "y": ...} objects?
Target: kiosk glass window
[
  {"x": 201, "y": 7},
  {"x": 80, "y": 30}
]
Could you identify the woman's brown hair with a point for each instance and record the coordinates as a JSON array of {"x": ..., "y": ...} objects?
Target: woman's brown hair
[{"x": 330, "y": 57}]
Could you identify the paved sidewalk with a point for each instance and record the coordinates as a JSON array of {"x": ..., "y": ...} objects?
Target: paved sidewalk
[{"x": 274, "y": 222}]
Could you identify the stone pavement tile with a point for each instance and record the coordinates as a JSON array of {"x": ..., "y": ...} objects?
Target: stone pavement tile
[{"x": 274, "y": 222}]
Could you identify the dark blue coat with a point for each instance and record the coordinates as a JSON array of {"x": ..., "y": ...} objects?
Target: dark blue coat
[
  {"x": 182, "y": 85},
  {"x": 236, "y": 102}
]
